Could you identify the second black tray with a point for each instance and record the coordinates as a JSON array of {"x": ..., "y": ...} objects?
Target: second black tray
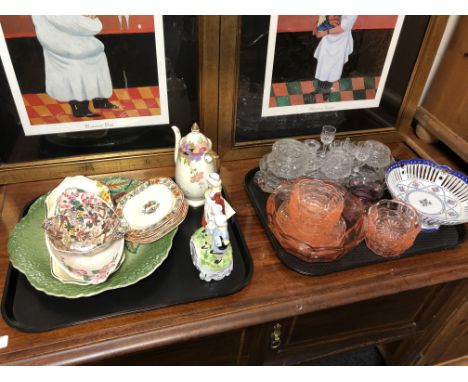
[
  {"x": 446, "y": 237},
  {"x": 176, "y": 281}
]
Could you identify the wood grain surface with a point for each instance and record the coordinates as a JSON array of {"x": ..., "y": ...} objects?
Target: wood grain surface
[{"x": 275, "y": 292}]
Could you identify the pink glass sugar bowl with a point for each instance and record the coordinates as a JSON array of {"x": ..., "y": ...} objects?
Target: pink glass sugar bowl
[{"x": 392, "y": 227}]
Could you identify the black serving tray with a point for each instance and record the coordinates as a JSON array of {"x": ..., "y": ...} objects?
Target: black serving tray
[
  {"x": 175, "y": 282},
  {"x": 446, "y": 237}
]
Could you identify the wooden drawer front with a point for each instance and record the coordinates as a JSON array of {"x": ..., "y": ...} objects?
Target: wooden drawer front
[
  {"x": 332, "y": 331},
  {"x": 222, "y": 349}
]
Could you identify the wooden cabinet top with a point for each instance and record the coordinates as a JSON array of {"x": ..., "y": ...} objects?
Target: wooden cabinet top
[{"x": 274, "y": 292}]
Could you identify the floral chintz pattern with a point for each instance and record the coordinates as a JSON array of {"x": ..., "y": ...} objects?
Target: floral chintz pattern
[
  {"x": 190, "y": 151},
  {"x": 83, "y": 222},
  {"x": 95, "y": 276}
]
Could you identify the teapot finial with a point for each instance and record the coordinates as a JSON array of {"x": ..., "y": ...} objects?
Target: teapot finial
[{"x": 195, "y": 127}]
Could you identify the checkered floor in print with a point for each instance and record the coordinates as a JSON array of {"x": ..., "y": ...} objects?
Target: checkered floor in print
[
  {"x": 301, "y": 92},
  {"x": 132, "y": 102}
]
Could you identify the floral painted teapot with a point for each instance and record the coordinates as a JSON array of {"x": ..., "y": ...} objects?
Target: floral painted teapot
[{"x": 194, "y": 161}]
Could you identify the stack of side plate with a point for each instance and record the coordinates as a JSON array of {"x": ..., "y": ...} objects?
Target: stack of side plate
[{"x": 152, "y": 209}]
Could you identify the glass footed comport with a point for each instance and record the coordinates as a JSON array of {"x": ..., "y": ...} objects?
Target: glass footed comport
[{"x": 316, "y": 220}]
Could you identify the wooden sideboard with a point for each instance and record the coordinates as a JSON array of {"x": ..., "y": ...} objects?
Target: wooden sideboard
[{"x": 412, "y": 308}]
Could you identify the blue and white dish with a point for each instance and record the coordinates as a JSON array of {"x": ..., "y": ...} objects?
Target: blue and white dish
[{"x": 439, "y": 193}]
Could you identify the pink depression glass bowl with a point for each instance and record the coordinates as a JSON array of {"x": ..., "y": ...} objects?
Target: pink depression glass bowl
[
  {"x": 392, "y": 227},
  {"x": 308, "y": 238}
]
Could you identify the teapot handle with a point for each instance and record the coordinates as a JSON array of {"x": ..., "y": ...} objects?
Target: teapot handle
[{"x": 210, "y": 157}]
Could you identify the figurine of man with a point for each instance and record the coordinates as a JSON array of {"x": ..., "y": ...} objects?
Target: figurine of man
[
  {"x": 210, "y": 246},
  {"x": 213, "y": 197}
]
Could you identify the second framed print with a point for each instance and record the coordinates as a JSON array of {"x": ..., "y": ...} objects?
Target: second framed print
[
  {"x": 64, "y": 78},
  {"x": 333, "y": 72}
]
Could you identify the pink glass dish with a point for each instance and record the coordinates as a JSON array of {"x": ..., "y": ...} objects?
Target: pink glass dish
[
  {"x": 319, "y": 203},
  {"x": 392, "y": 227},
  {"x": 310, "y": 239}
]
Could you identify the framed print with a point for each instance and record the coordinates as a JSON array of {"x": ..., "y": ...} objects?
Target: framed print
[
  {"x": 246, "y": 91},
  {"x": 191, "y": 54},
  {"x": 330, "y": 82},
  {"x": 72, "y": 73}
]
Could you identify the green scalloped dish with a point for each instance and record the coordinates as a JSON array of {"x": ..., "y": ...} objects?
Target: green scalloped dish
[{"x": 29, "y": 255}]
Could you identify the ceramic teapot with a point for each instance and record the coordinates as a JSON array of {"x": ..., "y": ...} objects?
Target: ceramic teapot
[{"x": 194, "y": 161}]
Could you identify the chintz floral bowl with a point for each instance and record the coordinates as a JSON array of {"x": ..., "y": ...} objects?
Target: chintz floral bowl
[
  {"x": 81, "y": 183},
  {"x": 84, "y": 235},
  {"x": 89, "y": 269},
  {"x": 85, "y": 227}
]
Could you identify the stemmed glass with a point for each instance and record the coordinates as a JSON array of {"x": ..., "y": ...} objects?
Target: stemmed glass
[
  {"x": 327, "y": 136},
  {"x": 362, "y": 152}
]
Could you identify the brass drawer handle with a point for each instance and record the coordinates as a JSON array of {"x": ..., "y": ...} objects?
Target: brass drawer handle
[{"x": 276, "y": 337}]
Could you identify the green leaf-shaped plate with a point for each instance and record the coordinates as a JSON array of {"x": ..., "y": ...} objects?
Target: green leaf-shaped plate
[{"x": 29, "y": 255}]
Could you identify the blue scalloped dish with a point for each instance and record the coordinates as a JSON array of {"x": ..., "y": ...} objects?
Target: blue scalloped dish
[{"x": 439, "y": 193}]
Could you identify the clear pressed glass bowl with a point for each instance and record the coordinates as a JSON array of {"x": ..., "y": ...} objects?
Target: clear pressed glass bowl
[{"x": 315, "y": 236}]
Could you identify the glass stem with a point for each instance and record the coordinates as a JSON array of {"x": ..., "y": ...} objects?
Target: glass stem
[{"x": 324, "y": 151}]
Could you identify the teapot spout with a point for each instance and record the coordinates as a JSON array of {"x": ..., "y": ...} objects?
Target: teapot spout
[{"x": 176, "y": 131}]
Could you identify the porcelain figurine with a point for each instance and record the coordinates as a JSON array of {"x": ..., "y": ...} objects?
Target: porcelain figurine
[
  {"x": 194, "y": 161},
  {"x": 210, "y": 246}
]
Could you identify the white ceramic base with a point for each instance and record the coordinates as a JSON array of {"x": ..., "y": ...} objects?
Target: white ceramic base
[
  {"x": 208, "y": 276},
  {"x": 195, "y": 202},
  {"x": 205, "y": 262}
]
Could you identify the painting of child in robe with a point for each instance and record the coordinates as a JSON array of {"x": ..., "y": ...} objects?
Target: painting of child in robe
[{"x": 327, "y": 62}]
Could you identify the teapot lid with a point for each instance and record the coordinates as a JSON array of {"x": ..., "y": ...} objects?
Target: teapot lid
[{"x": 196, "y": 136}]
